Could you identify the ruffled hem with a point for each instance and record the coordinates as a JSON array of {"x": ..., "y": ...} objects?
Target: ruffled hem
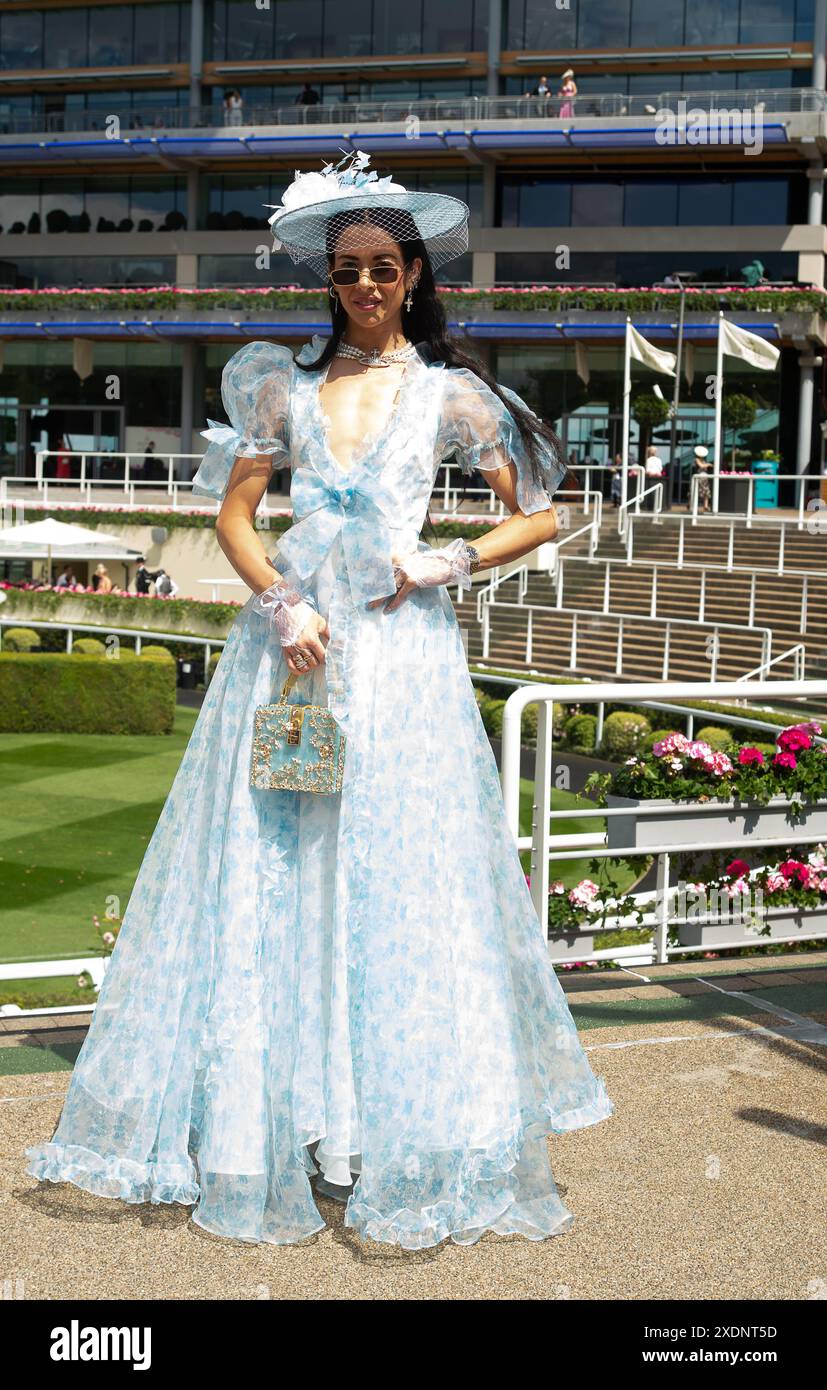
[
  {"x": 538, "y": 1219},
  {"x": 489, "y": 1191},
  {"x": 504, "y": 1186},
  {"x": 117, "y": 1177}
]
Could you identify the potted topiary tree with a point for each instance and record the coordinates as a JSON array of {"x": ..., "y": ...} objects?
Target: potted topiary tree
[{"x": 737, "y": 413}]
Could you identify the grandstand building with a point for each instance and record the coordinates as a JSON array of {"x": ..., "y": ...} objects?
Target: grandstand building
[{"x": 139, "y": 143}]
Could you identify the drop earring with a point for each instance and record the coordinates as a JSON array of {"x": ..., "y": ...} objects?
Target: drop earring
[{"x": 409, "y": 300}]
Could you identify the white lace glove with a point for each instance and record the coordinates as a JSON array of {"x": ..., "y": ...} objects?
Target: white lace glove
[
  {"x": 286, "y": 609},
  {"x": 451, "y": 564}
]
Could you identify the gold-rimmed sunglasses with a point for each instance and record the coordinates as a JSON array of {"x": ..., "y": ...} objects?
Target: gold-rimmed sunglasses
[{"x": 379, "y": 274}]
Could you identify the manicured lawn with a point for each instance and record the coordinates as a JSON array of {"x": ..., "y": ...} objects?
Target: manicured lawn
[
  {"x": 78, "y": 812},
  {"x": 571, "y": 871}
]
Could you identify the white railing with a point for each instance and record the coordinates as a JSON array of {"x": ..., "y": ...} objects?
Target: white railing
[
  {"x": 102, "y": 630},
  {"x": 659, "y": 567},
  {"x": 730, "y": 525},
  {"x": 93, "y": 966},
  {"x": 548, "y": 848},
  {"x": 804, "y": 480},
  {"x": 624, "y": 510},
  {"x": 586, "y": 617},
  {"x": 797, "y": 654},
  {"x": 133, "y": 460}
]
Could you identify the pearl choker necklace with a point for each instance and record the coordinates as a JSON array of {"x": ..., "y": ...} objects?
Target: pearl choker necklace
[{"x": 375, "y": 358}]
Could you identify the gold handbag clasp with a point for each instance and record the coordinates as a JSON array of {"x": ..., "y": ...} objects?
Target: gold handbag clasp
[{"x": 294, "y": 728}]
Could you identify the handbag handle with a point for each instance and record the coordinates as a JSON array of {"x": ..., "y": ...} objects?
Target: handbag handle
[{"x": 292, "y": 677}]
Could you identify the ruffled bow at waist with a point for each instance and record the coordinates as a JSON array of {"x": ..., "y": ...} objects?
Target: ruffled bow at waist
[{"x": 361, "y": 510}]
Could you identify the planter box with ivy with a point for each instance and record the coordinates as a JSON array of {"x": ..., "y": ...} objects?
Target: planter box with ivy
[
  {"x": 672, "y": 823},
  {"x": 786, "y": 922},
  {"x": 758, "y": 793}
]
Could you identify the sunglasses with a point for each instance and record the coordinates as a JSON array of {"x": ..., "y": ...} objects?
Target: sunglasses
[{"x": 380, "y": 275}]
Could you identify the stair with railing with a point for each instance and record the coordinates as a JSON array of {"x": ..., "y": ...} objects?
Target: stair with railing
[{"x": 791, "y": 605}]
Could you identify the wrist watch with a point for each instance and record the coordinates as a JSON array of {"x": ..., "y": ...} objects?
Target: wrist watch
[{"x": 474, "y": 557}]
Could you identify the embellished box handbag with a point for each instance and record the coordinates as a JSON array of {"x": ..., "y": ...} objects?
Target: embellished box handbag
[{"x": 298, "y": 748}]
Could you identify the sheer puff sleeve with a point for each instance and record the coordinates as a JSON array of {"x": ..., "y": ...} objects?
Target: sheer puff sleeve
[
  {"x": 476, "y": 427},
  {"x": 255, "y": 392}
]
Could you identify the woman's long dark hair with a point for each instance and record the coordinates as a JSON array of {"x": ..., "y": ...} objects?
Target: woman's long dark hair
[{"x": 425, "y": 325}]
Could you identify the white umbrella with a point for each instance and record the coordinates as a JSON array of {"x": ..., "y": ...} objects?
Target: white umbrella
[{"x": 69, "y": 541}]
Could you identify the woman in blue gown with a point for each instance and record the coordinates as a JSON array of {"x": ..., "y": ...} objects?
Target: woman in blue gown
[{"x": 351, "y": 987}]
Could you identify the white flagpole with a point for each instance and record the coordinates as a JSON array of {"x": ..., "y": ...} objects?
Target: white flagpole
[
  {"x": 719, "y": 391},
  {"x": 627, "y": 392}
]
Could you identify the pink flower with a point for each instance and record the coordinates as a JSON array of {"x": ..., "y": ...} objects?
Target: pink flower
[
  {"x": 748, "y": 756},
  {"x": 739, "y": 886},
  {"x": 788, "y": 760},
  {"x": 775, "y": 881},
  {"x": 558, "y": 886},
  {"x": 795, "y": 738},
  {"x": 794, "y": 869},
  {"x": 673, "y": 743},
  {"x": 583, "y": 894},
  {"x": 718, "y": 764}
]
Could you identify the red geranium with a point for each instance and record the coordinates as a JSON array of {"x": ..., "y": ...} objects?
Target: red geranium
[{"x": 750, "y": 755}]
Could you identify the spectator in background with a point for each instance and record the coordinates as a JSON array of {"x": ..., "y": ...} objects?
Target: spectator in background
[
  {"x": 165, "y": 587},
  {"x": 308, "y": 96},
  {"x": 702, "y": 467},
  {"x": 63, "y": 463},
  {"x": 541, "y": 90},
  {"x": 567, "y": 93},
  {"x": 67, "y": 578},
  {"x": 150, "y": 464},
  {"x": 101, "y": 582},
  {"x": 233, "y": 105},
  {"x": 654, "y": 463},
  {"x": 617, "y": 479},
  {"x": 143, "y": 577}
]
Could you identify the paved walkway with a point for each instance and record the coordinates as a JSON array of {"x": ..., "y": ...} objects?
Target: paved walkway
[{"x": 707, "y": 1182}]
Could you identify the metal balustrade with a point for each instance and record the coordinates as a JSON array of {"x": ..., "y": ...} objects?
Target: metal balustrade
[
  {"x": 586, "y": 617},
  {"x": 548, "y": 848},
  {"x": 658, "y": 568},
  {"x": 815, "y": 525},
  {"x": 811, "y": 505},
  {"x": 138, "y": 121}
]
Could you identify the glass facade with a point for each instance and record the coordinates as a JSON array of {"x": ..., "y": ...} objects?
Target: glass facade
[
  {"x": 41, "y": 272},
  {"x": 588, "y": 418},
  {"x": 651, "y": 200},
  {"x": 99, "y": 36},
  {"x": 240, "y": 201},
  {"x": 295, "y": 29},
  {"x": 629, "y": 268},
  {"x": 42, "y": 397},
  {"x": 141, "y": 203},
  {"x": 537, "y": 24}
]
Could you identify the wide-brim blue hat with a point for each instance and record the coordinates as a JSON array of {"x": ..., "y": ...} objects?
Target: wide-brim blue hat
[{"x": 300, "y": 223}]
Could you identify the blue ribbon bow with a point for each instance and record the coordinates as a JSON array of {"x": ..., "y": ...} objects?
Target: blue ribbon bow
[{"x": 361, "y": 510}]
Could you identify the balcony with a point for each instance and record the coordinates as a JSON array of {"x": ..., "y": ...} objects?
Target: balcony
[{"x": 465, "y": 126}]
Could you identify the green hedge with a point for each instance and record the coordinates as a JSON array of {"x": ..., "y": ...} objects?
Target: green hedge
[
  {"x": 51, "y": 692},
  {"x": 21, "y": 639}
]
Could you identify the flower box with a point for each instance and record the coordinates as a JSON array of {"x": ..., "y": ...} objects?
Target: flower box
[
  {"x": 783, "y": 922},
  {"x": 572, "y": 944},
  {"x": 728, "y": 823}
]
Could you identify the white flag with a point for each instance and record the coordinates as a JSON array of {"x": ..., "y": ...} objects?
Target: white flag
[
  {"x": 644, "y": 351},
  {"x": 737, "y": 342},
  {"x": 83, "y": 354},
  {"x": 581, "y": 358}
]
